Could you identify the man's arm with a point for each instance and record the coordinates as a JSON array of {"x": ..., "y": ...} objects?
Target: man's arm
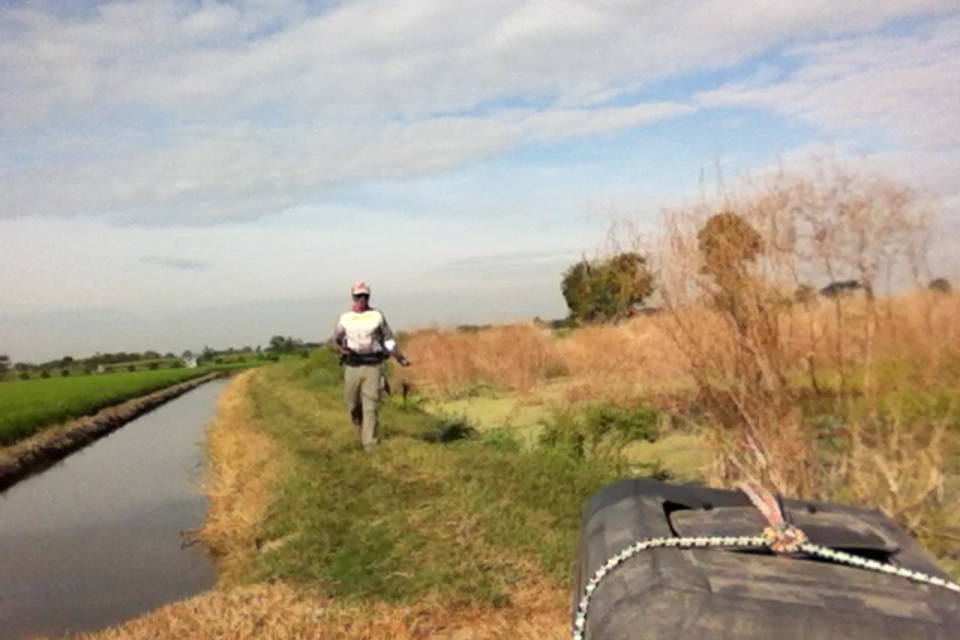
[{"x": 390, "y": 342}]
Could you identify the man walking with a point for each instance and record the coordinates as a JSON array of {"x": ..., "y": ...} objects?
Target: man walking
[{"x": 365, "y": 342}]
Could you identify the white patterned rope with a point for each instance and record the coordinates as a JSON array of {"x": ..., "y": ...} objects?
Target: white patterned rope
[{"x": 580, "y": 619}]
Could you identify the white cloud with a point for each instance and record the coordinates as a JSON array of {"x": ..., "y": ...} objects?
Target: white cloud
[
  {"x": 903, "y": 89},
  {"x": 174, "y": 111},
  {"x": 272, "y": 140},
  {"x": 180, "y": 264}
]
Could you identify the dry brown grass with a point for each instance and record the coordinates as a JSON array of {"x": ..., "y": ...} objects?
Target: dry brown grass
[
  {"x": 514, "y": 356},
  {"x": 278, "y": 612},
  {"x": 599, "y": 362},
  {"x": 642, "y": 356},
  {"x": 243, "y": 465},
  {"x": 922, "y": 327},
  {"x": 634, "y": 358}
]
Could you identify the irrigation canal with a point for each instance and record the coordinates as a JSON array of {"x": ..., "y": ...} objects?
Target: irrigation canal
[{"x": 95, "y": 540}]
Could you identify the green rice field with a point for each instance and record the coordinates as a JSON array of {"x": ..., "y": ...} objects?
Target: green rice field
[{"x": 27, "y": 406}]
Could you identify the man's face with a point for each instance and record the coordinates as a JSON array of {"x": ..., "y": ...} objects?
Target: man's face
[{"x": 361, "y": 300}]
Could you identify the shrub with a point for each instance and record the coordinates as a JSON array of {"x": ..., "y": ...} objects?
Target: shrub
[
  {"x": 502, "y": 439},
  {"x": 450, "y": 430},
  {"x": 940, "y": 285},
  {"x": 44, "y": 374},
  {"x": 65, "y": 373},
  {"x": 599, "y": 430},
  {"x": 131, "y": 367}
]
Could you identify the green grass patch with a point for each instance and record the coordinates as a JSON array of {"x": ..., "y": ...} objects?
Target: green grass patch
[
  {"x": 27, "y": 406},
  {"x": 463, "y": 517}
]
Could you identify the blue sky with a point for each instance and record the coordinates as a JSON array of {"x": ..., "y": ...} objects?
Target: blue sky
[{"x": 175, "y": 174}]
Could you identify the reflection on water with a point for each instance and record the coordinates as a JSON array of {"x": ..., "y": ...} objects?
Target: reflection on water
[{"x": 96, "y": 539}]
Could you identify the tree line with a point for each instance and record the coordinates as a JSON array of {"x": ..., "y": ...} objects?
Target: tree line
[
  {"x": 617, "y": 287},
  {"x": 124, "y": 360}
]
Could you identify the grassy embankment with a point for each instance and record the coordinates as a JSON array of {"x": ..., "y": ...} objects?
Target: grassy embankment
[
  {"x": 440, "y": 533},
  {"x": 28, "y": 406}
]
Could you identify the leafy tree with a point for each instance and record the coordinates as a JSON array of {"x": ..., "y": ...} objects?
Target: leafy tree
[
  {"x": 284, "y": 344},
  {"x": 941, "y": 285},
  {"x": 577, "y": 289},
  {"x": 4, "y": 364},
  {"x": 606, "y": 290}
]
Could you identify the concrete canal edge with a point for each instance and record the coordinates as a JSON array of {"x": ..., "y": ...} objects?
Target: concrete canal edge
[{"x": 46, "y": 448}]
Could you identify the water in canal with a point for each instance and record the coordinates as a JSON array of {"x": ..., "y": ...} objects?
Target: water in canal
[{"x": 96, "y": 539}]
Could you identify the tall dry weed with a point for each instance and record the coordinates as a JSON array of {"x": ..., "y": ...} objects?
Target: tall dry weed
[
  {"x": 758, "y": 349},
  {"x": 617, "y": 363},
  {"x": 453, "y": 362},
  {"x": 898, "y": 468}
]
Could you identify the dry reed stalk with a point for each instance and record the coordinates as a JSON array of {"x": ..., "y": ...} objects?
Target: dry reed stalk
[
  {"x": 517, "y": 357},
  {"x": 748, "y": 341}
]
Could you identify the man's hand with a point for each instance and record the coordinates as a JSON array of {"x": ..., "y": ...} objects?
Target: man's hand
[
  {"x": 344, "y": 351},
  {"x": 403, "y": 362}
]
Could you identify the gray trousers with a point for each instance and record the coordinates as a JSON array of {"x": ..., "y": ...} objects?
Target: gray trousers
[{"x": 362, "y": 389}]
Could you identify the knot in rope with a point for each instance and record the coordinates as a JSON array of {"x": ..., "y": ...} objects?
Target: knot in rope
[
  {"x": 781, "y": 536},
  {"x": 785, "y": 538}
]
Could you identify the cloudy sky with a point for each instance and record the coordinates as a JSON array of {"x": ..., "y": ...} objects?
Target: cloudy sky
[{"x": 175, "y": 173}]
